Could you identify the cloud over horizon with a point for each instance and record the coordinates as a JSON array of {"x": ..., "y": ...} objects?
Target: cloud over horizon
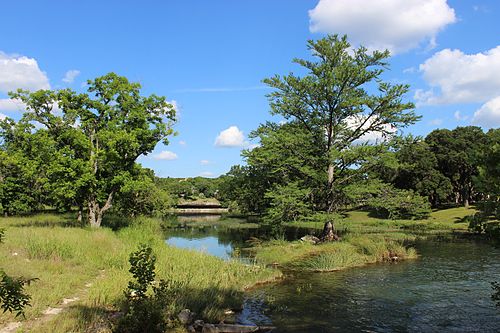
[
  {"x": 390, "y": 24},
  {"x": 230, "y": 138},
  {"x": 70, "y": 75},
  {"x": 488, "y": 116},
  {"x": 165, "y": 155},
  {"x": 456, "y": 77},
  {"x": 21, "y": 72}
]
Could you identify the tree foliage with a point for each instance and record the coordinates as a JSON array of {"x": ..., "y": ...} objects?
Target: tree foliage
[
  {"x": 82, "y": 147},
  {"x": 341, "y": 99}
]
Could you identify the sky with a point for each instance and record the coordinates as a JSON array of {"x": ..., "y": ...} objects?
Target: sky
[{"x": 209, "y": 59}]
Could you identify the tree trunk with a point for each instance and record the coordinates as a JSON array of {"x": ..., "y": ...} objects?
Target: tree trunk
[
  {"x": 329, "y": 196},
  {"x": 329, "y": 234},
  {"x": 93, "y": 211},
  {"x": 96, "y": 212},
  {"x": 80, "y": 215}
]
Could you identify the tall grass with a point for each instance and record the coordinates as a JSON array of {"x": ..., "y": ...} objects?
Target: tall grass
[
  {"x": 93, "y": 265},
  {"x": 350, "y": 252}
]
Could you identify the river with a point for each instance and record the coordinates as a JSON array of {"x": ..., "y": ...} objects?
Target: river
[{"x": 446, "y": 290}]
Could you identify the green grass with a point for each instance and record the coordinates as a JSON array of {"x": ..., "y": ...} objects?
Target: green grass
[
  {"x": 350, "y": 252},
  {"x": 365, "y": 240},
  {"x": 361, "y": 222},
  {"x": 65, "y": 258}
]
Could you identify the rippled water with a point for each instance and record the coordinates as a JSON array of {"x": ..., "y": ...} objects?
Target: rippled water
[{"x": 446, "y": 290}]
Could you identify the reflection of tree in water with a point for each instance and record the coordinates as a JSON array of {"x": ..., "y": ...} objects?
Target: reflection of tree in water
[{"x": 234, "y": 232}]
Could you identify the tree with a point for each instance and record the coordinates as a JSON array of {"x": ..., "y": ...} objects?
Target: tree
[
  {"x": 141, "y": 195},
  {"x": 104, "y": 131},
  {"x": 335, "y": 100},
  {"x": 459, "y": 153},
  {"x": 414, "y": 167}
]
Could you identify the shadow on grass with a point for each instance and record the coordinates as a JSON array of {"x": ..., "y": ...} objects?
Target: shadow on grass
[
  {"x": 43, "y": 220},
  {"x": 209, "y": 304}
]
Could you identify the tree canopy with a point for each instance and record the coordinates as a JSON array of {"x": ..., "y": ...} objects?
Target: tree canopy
[{"x": 87, "y": 142}]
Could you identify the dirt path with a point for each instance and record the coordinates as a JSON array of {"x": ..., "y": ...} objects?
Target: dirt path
[{"x": 50, "y": 312}]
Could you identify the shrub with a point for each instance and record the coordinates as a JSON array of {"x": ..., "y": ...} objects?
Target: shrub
[
  {"x": 399, "y": 204},
  {"x": 149, "y": 304},
  {"x": 13, "y": 298},
  {"x": 287, "y": 203},
  {"x": 487, "y": 220},
  {"x": 12, "y": 295}
]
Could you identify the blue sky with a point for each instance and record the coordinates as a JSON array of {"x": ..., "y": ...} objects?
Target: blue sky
[{"x": 210, "y": 57}]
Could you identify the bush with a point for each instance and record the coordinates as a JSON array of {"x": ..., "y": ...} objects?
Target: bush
[
  {"x": 149, "y": 304},
  {"x": 486, "y": 221},
  {"x": 394, "y": 203},
  {"x": 12, "y": 295},
  {"x": 287, "y": 203}
]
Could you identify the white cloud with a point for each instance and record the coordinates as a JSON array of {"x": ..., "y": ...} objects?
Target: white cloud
[
  {"x": 204, "y": 162},
  {"x": 409, "y": 70},
  {"x": 231, "y": 137},
  {"x": 7, "y": 104},
  {"x": 70, "y": 75},
  {"x": 2, "y": 116},
  {"x": 459, "y": 117},
  {"x": 397, "y": 25},
  {"x": 436, "y": 122},
  {"x": 488, "y": 115},
  {"x": 165, "y": 155},
  {"x": 182, "y": 143},
  {"x": 456, "y": 77},
  {"x": 354, "y": 122},
  {"x": 21, "y": 72}
]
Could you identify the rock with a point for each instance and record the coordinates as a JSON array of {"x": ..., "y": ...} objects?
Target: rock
[
  {"x": 394, "y": 258},
  {"x": 273, "y": 265},
  {"x": 191, "y": 329},
  {"x": 310, "y": 239},
  {"x": 210, "y": 328},
  {"x": 198, "y": 324},
  {"x": 186, "y": 316}
]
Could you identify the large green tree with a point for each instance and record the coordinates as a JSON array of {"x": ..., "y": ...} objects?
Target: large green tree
[
  {"x": 459, "y": 153},
  {"x": 341, "y": 98},
  {"x": 98, "y": 135}
]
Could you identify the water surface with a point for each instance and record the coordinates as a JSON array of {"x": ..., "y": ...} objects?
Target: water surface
[{"x": 446, "y": 290}]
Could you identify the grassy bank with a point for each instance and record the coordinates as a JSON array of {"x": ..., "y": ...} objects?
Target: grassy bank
[
  {"x": 93, "y": 266},
  {"x": 349, "y": 252},
  {"x": 365, "y": 239}
]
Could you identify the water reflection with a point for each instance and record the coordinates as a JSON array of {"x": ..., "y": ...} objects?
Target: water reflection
[
  {"x": 446, "y": 290},
  {"x": 210, "y": 245},
  {"x": 222, "y": 236}
]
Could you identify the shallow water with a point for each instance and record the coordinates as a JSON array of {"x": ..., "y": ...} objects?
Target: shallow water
[{"x": 446, "y": 290}]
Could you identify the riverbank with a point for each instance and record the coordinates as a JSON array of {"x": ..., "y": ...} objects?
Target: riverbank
[
  {"x": 364, "y": 240},
  {"x": 92, "y": 266}
]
